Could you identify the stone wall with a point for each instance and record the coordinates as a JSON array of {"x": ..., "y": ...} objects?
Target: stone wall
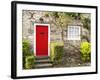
[
  {"x": 28, "y": 25},
  {"x": 30, "y": 17}
]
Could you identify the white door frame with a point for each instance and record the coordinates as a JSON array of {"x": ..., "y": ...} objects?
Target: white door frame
[{"x": 35, "y": 37}]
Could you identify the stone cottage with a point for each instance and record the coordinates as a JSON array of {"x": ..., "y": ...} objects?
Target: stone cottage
[{"x": 72, "y": 33}]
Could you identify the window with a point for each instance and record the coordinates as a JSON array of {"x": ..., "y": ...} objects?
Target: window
[{"x": 73, "y": 32}]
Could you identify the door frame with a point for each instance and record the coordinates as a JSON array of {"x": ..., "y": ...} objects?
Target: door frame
[{"x": 35, "y": 37}]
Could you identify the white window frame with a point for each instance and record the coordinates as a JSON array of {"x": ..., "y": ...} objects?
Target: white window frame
[{"x": 69, "y": 37}]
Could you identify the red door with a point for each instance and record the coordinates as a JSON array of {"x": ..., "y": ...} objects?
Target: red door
[{"x": 41, "y": 40}]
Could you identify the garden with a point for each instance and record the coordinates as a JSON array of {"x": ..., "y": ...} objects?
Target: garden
[{"x": 59, "y": 56}]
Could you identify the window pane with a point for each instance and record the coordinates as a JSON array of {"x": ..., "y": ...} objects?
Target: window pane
[{"x": 73, "y": 32}]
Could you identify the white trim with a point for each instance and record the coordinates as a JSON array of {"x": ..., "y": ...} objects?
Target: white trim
[
  {"x": 35, "y": 37},
  {"x": 34, "y": 44}
]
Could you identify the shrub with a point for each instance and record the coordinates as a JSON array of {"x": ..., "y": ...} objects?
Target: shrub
[
  {"x": 58, "y": 54},
  {"x": 52, "y": 46},
  {"x": 26, "y": 48},
  {"x": 85, "y": 51},
  {"x": 56, "y": 51},
  {"x": 29, "y": 62},
  {"x": 27, "y": 53}
]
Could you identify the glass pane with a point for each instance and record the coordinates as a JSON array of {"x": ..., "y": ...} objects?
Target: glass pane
[{"x": 73, "y": 32}]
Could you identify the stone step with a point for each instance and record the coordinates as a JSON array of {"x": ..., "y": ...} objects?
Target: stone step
[
  {"x": 42, "y": 61},
  {"x": 41, "y": 57},
  {"x": 46, "y": 65}
]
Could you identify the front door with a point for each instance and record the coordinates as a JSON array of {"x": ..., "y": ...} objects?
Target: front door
[{"x": 41, "y": 40}]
